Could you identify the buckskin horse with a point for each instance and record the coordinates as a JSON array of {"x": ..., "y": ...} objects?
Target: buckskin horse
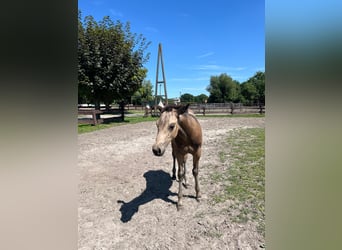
[{"x": 180, "y": 127}]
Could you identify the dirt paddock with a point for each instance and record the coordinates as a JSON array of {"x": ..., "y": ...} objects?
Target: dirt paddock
[{"x": 127, "y": 198}]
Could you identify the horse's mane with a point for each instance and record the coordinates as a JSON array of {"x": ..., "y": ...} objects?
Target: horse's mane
[{"x": 169, "y": 108}]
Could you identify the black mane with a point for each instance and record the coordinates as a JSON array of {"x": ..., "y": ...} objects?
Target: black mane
[{"x": 169, "y": 108}]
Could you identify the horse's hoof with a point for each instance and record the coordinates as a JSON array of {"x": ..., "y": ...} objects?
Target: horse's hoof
[
  {"x": 179, "y": 207},
  {"x": 173, "y": 177}
]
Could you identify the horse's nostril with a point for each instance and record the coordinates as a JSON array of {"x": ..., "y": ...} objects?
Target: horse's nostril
[{"x": 157, "y": 151}]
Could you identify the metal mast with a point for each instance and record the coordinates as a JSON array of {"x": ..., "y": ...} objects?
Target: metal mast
[{"x": 161, "y": 96}]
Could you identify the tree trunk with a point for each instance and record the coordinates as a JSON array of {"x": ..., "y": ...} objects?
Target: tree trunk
[
  {"x": 97, "y": 107},
  {"x": 107, "y": 107},
  {"x": 122, "y": 110}
]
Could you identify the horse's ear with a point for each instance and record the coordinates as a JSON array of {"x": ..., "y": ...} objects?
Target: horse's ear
[
  {"x": 161, "y": 109},
  {"x": 183, "y": 109}
]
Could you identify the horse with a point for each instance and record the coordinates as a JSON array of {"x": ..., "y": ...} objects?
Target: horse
[
  {"x": 174, "y": 159},
  {"x": 180, "y": 127}
]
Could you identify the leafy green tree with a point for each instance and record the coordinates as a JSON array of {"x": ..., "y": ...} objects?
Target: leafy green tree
[
  {"x": 110, "y": 60},
  {"x": 223, "y": 88},
  {"x": 187, "y": 98},
  {"x": 259, "y": 80},
  {"x": 248, "y": 92},
  {"x": 253, "y": 90},
  {"x": 202, "y": 98},
  {"x": 144, "y": 94}
]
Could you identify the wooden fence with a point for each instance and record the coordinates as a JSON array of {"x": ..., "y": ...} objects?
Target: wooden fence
[
  {"x": 226, "y": 108},
  {"x": 88, "y": 115}
]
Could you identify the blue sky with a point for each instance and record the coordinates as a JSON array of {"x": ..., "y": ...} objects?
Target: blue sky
[{"x": 199, "y": 38}]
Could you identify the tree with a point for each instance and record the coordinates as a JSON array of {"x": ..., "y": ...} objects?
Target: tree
[
  {"x": 144, "y": 94},
  {"x": 253, "y": 90},
  {"x": 248, "y": 92},
  {"x": 187, "y": 98},
  {"x": 202, "y": 98},
  {"x": 259, "y": 80},
  {"x": 223, "y": 88},
  {"x": 110, "y": 60}
]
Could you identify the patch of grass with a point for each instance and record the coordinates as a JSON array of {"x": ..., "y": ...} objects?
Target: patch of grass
[
  {"x": 213, "y": 234},
  {"x": 244, "y": 180},
  {"x": 216, "y": 176},
  {"x": 230, "y": 116},
  {"x": 222, "y": 156},
  {"x": 86, "y": 128}
]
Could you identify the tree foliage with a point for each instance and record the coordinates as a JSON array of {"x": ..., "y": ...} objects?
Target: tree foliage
[
  {"x": 110, "y": 61},
  {"x": 144, "y": 94},
  {"x": 253, "y": 90},
  {"x": 248, "y": 93},
  {"x": 202, "y": 98},
  {"x": 187, "y": 98},
  {"x": 223, "y": 88}
]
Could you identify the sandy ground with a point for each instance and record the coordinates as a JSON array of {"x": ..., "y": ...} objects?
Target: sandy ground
[{"x": 127, "y": 199}]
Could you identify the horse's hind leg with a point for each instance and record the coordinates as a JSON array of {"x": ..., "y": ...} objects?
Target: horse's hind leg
[
  {"x": 196, "y": 158},
  {"x": 186, "y": 185}
]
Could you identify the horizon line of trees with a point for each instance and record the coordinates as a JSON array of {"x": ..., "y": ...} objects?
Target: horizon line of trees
[{"x": 223, "y": 89}]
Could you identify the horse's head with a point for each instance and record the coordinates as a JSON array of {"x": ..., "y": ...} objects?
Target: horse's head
[{"x": 168, "y": 127}]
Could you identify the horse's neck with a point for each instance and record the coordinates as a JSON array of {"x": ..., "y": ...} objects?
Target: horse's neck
[
  {"x": 184, "y": 126},
  {"x": 181, "y": 132}
]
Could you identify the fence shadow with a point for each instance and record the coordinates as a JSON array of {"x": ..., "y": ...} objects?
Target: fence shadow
[{"x": 158, "y": 184}]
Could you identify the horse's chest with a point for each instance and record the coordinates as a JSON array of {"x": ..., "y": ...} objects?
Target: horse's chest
[{"x": 183, "y": 146}]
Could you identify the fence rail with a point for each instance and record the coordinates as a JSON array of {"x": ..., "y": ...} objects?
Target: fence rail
[
  {"x": 226, "y": 108},
  {"x": 88, "y": 115}
]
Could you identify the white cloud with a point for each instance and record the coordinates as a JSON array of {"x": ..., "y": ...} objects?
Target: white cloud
[
  {"x": 206, "y": 55},
  {"x": 183, "y": 14},
  {"x": 216, "y": 67},
  {"x": 260, "y": 69},
  {"x": 189, "y": 79},
  {"x": 116, "y": 13},
  {"x": 196, "y": 89},
  {"x": 151, "y": 29}
]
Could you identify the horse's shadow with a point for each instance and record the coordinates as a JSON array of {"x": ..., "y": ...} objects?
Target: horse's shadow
[{"x": 158, "y": 184}]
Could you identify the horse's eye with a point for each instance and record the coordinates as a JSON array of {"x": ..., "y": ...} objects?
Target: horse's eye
[{"x": 172, "y": 126}]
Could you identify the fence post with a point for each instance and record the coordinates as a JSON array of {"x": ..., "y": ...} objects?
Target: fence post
[
  {"x": 232, "y": 108},
  {"x": 94, "y": 117},
  {"x": 260, "y": 109}
]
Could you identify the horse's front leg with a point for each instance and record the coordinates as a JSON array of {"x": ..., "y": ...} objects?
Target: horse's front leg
[
  {"x": 174, "y": 166},
  {"x": 181, "y": 172}
]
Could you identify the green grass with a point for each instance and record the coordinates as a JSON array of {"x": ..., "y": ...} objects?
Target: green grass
[
  {"x": 244, "y": 181},
  {"x": 230, "y": 116},
  {"x": 86, "y": 128}
]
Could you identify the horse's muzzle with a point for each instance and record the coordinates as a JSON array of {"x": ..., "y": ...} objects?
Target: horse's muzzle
[{"x": 158, "y": 151}]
